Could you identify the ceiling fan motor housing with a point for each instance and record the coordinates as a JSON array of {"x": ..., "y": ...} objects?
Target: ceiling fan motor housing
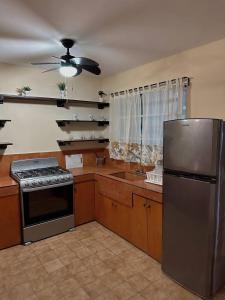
[{"x": 68, "y": 43}]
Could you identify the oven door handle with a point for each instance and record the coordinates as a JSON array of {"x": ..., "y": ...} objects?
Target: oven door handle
[{"x": 46, "y": 187}]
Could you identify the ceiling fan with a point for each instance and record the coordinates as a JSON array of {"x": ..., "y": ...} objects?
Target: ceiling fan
[{"x": 69, "y": 65}]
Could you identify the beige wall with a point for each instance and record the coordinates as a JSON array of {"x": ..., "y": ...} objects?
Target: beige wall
[
  {"x": 206, "y": 66},
  {"x": 33, "y": 127}
]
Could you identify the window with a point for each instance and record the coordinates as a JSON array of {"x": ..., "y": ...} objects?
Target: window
[{"x": 136, "y": 120}]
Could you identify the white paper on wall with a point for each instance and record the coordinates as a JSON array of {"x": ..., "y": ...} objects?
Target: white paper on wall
[{"x": 74, "y": 161}]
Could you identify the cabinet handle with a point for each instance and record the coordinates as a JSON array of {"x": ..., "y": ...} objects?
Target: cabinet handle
[{"x": 145, "y": 204}]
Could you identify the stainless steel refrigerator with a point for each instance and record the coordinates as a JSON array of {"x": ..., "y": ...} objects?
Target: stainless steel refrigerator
[{"x": 194, "y": 204}]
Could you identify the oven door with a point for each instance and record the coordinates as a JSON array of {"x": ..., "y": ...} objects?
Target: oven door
[{"x": 47, "y": 203}]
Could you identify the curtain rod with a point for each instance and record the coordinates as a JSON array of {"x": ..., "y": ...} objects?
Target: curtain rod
[{"x": 185, "y": 81}]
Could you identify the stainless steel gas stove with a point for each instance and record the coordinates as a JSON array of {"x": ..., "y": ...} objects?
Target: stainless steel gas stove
[{"x": 46, "y": 197}]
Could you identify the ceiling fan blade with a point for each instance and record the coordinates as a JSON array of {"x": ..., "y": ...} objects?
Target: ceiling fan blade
[
  {"x": 45, "y": 63},
  {"x": 58, "y": 58},
  {"x": 84, "y": 61},
  {"x": 79, "y": 70},
  {"x": 49, "y": 70},
  {"x": 93, "y": 69}
]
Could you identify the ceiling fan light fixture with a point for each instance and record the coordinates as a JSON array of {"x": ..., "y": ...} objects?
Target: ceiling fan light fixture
[{"x": 68, "y": 71}]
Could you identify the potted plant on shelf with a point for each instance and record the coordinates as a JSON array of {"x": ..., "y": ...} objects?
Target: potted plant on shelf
[
  {"x": 27, "y": 90},
  {"x": 24, "y": 91},
  {"x": 62, "y": 88},
  {"x": 101, "y": 96}
]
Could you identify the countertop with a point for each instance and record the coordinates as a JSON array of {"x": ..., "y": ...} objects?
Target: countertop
[
  {"x": 108, "y": 171},
  {"x": 7, "y": 181}
]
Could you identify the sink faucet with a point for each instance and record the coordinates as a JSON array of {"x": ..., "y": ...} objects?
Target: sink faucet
[{"x": 140, "y": 171}]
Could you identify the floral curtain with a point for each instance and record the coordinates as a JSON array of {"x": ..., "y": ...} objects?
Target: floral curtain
[
  {"x": 136, "y": 121},
  {"x": 125, "y": 127}
]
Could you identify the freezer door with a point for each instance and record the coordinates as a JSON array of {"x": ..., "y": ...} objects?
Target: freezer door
[
  {"x": 188, "y": 232},
  {"x": 192, "y": 146}
]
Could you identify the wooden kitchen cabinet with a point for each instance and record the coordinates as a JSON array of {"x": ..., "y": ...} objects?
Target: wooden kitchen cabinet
[
  {"x": 10, "y": 220},
  {"x": 139, "y": 223},
  {"x": 154, "y": 216},
  {"x": 113, "y": 215},
  {"x": 134, "y": 217},
  {"x": 115, "y": 190},
  {"x": 103, "y": 210},
  {"x": 84, "y": 201},
  {"x": 146, "y": 226}
]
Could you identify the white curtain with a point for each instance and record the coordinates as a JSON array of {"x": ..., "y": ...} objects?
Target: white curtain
[
  {"x": 125, "y": 127},
  {"x": 136, "y": 121},
  {"x": 161, "y": 103}
]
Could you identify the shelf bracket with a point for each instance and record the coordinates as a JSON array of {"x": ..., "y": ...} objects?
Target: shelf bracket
[
  {"x": 1, "y": 99},
  {"x": 61, "y": 123},
  {"x": 61, "y": 102},
  {"x": 102, "y": 105},
  {"x": 103, "y": 123},
  {"x": 4, "y": 146},
  {"x": 63, "y": 143},
  {"x": 2, "y": 123},
  {"x": 103, "y": 141}
]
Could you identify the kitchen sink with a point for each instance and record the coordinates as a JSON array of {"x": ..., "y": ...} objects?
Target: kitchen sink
[{"x": 128, "y": 176}]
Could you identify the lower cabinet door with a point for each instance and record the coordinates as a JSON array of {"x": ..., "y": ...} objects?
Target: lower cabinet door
[
  {"x": 138, "y": 223},
  {"x": 113, "y": 215},
  {"x": 84, "y": 201},
  {"x": 154, "y": 213},
  {"x": 120, "y": 219},
  {"x": 104, "y": 210},
  {"x": 10, "y": 222}
]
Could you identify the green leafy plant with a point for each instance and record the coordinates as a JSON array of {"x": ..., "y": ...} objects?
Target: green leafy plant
[
  {"x": 61, "y": 86},
  {"x": 27, "y": 88},
  {"x": 22, "y": 91},
  {"x": 101, "y": 93}
]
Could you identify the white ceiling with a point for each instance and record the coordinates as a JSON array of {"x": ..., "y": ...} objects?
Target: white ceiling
[{"x": 119, "y": 34}]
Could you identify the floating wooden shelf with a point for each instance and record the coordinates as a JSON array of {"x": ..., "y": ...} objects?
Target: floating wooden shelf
[
  {"x": 2, "y": 122},
  {"x": 62, "y": 123},
  {"x": 4, "y": 145},
  {"x": 60, "y": 102},
  {"x": 68, "y": 142}
]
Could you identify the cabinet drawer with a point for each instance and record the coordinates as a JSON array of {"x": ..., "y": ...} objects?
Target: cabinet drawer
[
  {"x": 9, "y": 190},
  {"x": 151, "y": 195},
  {"x": 115, "y": 190}
]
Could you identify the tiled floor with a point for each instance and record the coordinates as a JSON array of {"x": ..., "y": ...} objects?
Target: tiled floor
[{"x": 89, "y": 263}]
